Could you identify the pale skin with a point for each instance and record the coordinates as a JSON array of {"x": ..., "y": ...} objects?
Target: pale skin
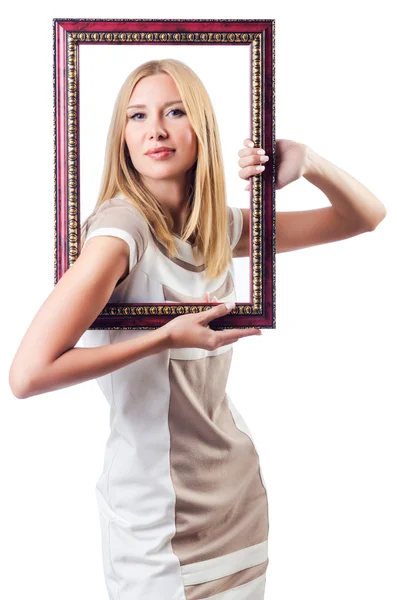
[
  {"x": 156, "y": 117},
  {"x": 354, "y": 209},
  {"x": 47, "y": 359}
]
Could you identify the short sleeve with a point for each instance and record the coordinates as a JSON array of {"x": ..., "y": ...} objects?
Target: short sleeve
[
  {"x": 119, "y": 218},
  {"x": 235, "y": 225}
]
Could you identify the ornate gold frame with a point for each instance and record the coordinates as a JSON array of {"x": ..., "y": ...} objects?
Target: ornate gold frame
[{"x": 68, "y": 35}]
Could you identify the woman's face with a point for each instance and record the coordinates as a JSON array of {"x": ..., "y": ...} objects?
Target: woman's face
[{"x": 161, "y": 120}]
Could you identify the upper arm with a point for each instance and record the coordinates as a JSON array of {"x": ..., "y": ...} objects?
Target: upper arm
[
  {"x": 75, "y": 302},
  {"x": 300, "y": 229},
  {"x": 303, "y": 228},
  {"x": 116, "y": 238}
]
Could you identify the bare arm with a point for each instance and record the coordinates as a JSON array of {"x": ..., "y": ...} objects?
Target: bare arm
[
  {"x": 354, "y": 208},
  {"x": 349, "y": 198},
  {"x": 81, "y": 364},
  {"x": 46, "y": 359}
]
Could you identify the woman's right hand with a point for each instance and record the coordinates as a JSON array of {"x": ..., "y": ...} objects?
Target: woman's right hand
[
  {"x": 193, "y": 330},
  {"x": 251, "y": 161}
]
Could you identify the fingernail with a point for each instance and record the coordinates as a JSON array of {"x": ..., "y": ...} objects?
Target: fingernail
[
  {"x": 251, "y": 144},
  {"x": 230, "y": 305}
]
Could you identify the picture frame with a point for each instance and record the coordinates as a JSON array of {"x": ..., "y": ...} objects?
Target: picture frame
[{"x": 224, "y": 43}]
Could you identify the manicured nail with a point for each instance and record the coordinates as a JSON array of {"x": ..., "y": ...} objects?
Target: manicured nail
[
  {"x": 230, "y": 305},
  {"x": 260, "y": 167},
  {"x": 251, "y": 144}
]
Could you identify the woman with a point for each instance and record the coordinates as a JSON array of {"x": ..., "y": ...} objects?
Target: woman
[{"x": 182, "y": 501}]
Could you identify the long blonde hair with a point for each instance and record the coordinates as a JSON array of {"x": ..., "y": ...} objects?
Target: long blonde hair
[{"x": 208, "y": 214}]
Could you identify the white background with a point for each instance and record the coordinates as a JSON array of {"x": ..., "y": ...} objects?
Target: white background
[{"x": 318, "y": 392}]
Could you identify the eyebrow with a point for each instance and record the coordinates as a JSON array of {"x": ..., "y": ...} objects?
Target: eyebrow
[{"x": 164, "y": 105}]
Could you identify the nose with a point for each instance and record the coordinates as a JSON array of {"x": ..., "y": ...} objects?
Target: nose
[{"x": 156, "y": 129}]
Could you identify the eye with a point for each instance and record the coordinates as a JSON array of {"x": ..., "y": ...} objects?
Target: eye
[
  {"x": 172, "y": 110},
  {"x": 176, "y": 110},
  {"x": 135, "y": 115}
]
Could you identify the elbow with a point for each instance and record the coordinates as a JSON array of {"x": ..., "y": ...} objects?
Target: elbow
[
  {"x": 379, "y": 218},
  {"x": 18, "y": 384}
]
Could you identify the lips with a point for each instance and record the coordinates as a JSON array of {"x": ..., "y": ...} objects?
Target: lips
[{"x": 160, "y": 149}]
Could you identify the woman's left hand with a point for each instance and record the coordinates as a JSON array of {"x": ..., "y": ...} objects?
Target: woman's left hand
[{"x": 291, "y": 161}]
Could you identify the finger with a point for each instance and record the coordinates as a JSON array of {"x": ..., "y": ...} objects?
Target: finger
[
  {"x": 228, "y": 336},
  {"x": 248, "y": 142},
  {"x": 254, "y": 158},
  {"x": 239, "y": 333},
  {"x": 251, "y": 151},
  {"x": 251, "y": 171},
  {"x": 215, "y": 312}
]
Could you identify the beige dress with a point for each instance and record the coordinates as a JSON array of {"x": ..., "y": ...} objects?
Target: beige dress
[{"x": 182, "y": 501}]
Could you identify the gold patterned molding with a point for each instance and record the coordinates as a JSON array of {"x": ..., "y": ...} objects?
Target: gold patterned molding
[{"x": 72, "y": 41}]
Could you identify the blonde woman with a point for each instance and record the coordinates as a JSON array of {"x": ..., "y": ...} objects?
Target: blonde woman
[{"x": 182, "y": 501}]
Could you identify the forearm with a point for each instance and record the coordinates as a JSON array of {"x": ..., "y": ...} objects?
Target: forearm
[
  {"x": 81, "y": 364},
  {"x": 348, "y": 196}
]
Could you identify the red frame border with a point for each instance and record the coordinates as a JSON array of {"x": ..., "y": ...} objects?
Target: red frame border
[{"x": 63, "y": 27}]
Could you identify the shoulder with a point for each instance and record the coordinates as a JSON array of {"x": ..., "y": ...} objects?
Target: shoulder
[
  {"x": 118, "y": 217},
  {"x": 119, "y": 213},
  {"x": 119, "y": 204}
]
